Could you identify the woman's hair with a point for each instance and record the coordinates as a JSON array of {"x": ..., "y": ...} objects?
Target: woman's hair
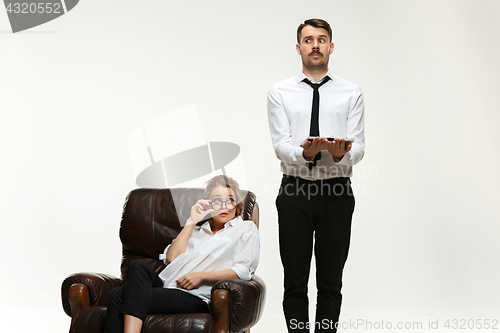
[{"x": 225, "y": 182}]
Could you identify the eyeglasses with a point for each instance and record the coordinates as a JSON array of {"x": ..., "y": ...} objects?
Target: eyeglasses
[{"x": 217, "y": 204}]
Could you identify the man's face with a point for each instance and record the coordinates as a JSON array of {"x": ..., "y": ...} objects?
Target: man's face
[{"x": 315, "y": 47}]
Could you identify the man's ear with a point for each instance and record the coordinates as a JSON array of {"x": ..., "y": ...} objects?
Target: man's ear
[
  {"x": 331, "y": 47},
  {"x": 297, "y": 47}
]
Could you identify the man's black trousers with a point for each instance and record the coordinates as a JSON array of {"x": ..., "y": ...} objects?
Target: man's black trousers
[{"x": 314, "y": 214}]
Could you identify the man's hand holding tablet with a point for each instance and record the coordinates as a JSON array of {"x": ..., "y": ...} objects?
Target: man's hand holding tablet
[
  {"x": 339, "y": 147},
  {"x": 312, "y": 146},
  {"x": 311, "y": 138}
]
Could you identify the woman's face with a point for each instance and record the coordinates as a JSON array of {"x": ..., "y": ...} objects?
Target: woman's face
[{"x": 224, "y": 197}]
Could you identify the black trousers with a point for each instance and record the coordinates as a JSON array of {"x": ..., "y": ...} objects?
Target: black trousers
[
  {"x": 314, "y": 212},
  {"x": 143, "y": 293}
]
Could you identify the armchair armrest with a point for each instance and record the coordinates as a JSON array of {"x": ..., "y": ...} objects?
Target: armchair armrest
[
  {"x": 98, "y": 286},
  {"x": 90, "y": 319},
  {"x": 247, "y": 301}
]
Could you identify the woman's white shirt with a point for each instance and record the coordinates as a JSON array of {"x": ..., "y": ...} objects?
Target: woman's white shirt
[{"x": 236, "y": 247}]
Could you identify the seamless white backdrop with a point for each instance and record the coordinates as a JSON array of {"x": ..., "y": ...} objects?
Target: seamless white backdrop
[{"x": 425, "y": 229}]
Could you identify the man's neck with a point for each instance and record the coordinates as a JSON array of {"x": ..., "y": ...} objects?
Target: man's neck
[{"x": 316, "y": 74}]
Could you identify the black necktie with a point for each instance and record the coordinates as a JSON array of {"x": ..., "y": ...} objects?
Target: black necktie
[{"x": 314, "y": 129}]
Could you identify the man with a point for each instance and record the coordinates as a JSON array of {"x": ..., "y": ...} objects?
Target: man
[{"x": 315, "y": 202}]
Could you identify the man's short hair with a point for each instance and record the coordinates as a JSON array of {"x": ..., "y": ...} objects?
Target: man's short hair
[{"x": 316, "y": 23}]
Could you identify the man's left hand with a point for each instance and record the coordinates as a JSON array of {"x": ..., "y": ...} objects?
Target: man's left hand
[{"x": 338, "y": 149}]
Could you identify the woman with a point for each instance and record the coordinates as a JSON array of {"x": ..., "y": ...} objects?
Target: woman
[{"x": 224, "y": 247}]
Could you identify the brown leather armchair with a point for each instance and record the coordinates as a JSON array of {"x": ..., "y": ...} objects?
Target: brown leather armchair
[{"x": 150, "y": 221}]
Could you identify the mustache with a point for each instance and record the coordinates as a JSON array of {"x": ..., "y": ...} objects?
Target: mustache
[{"x": 316, "y": 52}]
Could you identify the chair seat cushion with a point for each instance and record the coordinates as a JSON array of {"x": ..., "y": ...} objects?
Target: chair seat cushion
[
  {"x": 178, "y": 323},
  {"x": 91, "y": 319}
]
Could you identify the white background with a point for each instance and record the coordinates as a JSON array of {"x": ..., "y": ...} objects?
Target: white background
[{"x": 425, "y": 229}]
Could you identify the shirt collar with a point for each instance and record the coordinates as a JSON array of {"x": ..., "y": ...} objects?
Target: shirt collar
[
  {"x": 232, "y": 223},
  {"x": 302, "y": 76}
]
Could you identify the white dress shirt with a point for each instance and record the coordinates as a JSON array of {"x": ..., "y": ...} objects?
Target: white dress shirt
[
  {"x": 341, "y": 115},
  {"x": 235, "y": 247}
]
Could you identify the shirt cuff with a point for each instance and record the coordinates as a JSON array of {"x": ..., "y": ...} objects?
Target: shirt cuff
[
  {"x": 163, "y": 256},
  {"x": 343, "y": 160},
  {"x": 299, "y": 157},
  {"x": 242, "y": 272}
]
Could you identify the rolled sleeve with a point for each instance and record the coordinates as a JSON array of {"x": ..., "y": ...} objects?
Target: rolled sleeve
[
  {"x": 247, "y": 254},
  {"x": 163, "y": 256}
]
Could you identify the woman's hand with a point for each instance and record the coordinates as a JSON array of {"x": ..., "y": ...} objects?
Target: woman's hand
[
  {"x": 179, "y": 244},
  {"x": 200, "y": 209},
  {"x": 194, "y": 279},
  {"x": 190, "y": 280}
]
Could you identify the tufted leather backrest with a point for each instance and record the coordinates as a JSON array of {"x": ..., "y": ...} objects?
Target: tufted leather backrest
[{"x": 151, "y": 220}]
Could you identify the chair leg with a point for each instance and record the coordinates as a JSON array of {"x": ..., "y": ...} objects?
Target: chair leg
[
  {"x": 221, "y": 308},
  {"x": 78, "y": 299}
]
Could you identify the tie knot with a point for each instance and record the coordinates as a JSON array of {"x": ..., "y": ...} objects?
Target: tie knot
[{"x": 316, "y": 86}]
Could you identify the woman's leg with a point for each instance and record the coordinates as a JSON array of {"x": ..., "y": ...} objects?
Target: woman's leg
[
  {"x": 144, "y": 293},
  {"x": 133, "y": 299},
  {"x": 173, "y": 301},
  {"x": 132, "y": 324},
  {"x": 137, "y": 293},
  {"x": 114, "y": 322}
]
